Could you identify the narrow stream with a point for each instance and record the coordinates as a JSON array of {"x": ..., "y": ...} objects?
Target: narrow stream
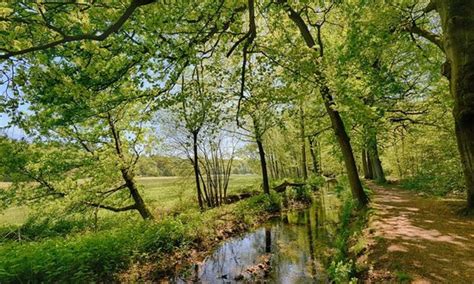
[{"x": 292, "y": 248}]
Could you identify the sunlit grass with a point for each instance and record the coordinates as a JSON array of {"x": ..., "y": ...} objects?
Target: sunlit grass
[
  {"x": 163, "y": 194},
  {"x": 168, "y": 193},
  {"x": 13, "y": 216}
]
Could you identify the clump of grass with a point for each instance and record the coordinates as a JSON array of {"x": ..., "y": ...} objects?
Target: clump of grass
[{"x": 403, "y": 277}]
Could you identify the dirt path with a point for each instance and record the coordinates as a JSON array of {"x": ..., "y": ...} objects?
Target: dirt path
[{"x": 419, "y": 239}]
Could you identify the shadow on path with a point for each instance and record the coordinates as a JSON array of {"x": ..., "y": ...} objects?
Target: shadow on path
[{"x": 420, "y": 237}]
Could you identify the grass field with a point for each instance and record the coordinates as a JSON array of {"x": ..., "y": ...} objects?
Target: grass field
[
  {"x": 174, "y": 193},
  {"x": 163, "y": 194}
]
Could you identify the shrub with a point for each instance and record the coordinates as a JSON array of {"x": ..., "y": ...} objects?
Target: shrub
[
  {"x": 341, "y": 272},
  {"x": 270, "y": 203},
  {"x": 303, "y": 194},
  {"x": 434, "y": 183},
  {"x": 316, "y": 182},
  {"x": 91, "y": 256},
  {"x": 163, "y": 238},
  {"x": 342, "y": 268}
]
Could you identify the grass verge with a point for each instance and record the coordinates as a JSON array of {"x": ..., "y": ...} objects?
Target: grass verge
[
  {"x": 139, "y": 250},
  {"x": 350, "y": 244}
]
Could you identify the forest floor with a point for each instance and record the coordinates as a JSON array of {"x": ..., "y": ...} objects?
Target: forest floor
[{"x": 419, "y": 239}]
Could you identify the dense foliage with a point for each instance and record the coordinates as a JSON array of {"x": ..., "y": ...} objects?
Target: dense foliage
[{"x": 105, "y": 93}]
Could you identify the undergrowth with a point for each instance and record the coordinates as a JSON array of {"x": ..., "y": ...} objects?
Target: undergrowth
[
  {"x": 97, "y": 256},
  {"x": 348, "y": 242}
]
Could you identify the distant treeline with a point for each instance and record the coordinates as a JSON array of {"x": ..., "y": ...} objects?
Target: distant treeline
[{"x": 174, "y": 166}]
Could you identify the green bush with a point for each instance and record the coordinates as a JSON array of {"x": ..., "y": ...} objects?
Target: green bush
[
  {"x": 434, "y": 183},
  {"x": 299, "y": 194},
  {"x": 342, "y": 268},
  {"x": 88, "y": 257},
  {"x": 164, "y": 238},
  {"x": 316, "y": 182},
  {"x": 270, "y": 203},
  {"x": 341, "y": 272},
  {"x": 303, "y": 194}
]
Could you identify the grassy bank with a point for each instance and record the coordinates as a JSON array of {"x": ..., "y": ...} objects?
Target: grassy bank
[
  {"x": 156, "y": 248},
  {"x": 350, "y": 243}
]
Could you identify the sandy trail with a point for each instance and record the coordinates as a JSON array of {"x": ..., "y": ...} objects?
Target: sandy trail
[{"x": 420, "y": 237}]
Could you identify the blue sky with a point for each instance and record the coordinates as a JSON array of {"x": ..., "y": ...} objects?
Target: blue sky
[{"x": 13, "y": 132}]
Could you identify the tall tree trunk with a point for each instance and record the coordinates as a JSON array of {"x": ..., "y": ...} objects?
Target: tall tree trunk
[
  {"x": 137, "y": 198},
  {"x": 365, "y": 164},
  {"x": 204, "y": 189},
  {"x": 314, "y": 156},
  {"x": 346, "y": 148},
  {"x": 374, "y": 158},
  {"x": 196, "y": 169},
  {"x": 336, "y": 120},
  {"x": 278, "y": 172},
  {"x": 127, "y": 175},
  {"x": 263, "y": 164},
  {"x": 457, "y": 19},
  {"x": 370, "y": 166},
  {"x": 304, "y": 169},
  {"x": 271, "y": 159}
]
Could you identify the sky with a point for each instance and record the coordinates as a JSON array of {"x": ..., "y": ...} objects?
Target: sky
[{"x": 12, "y": 131}]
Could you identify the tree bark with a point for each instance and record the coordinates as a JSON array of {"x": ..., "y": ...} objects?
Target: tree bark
[
  {"x": 196, "y": 170},
  {"x": 263, "y": 164},
  {"x": 314, "y": 156},
  {"x": 375, "y": 162},
  {"x": 365, "y": 165},
  {"x": 457, "y": 19},
  {"x": 346, "y": 148},
  {"x": 133, "y": 188},
  {"x": 304, "y": 169},
  {"x": 127, "y": 175},
  {"x": 370, "y": 167}
]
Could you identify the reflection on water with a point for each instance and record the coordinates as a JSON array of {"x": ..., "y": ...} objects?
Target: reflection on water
[{"x": 288, "y": 249}]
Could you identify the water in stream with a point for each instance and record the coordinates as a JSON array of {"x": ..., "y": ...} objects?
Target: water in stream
[{"x": 292, "y": 248}]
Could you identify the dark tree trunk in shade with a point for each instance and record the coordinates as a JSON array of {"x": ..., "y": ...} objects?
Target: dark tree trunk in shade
[
  {"x": 196, "y": 169},
  {"x": 314, "y": 155},
  {"x": 378, "y": 173},
  {"x": 263, "y": 164},
  {"x": 370, "y": 167},
  {"x": 365, "y": 165},
  {"x": 457, "y": 20},
  {"x": 346, "y": 148},
  {"x": 304, "y": 162}
]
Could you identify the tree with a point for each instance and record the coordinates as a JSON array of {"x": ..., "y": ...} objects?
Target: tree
[
  {"x": 456, "y": 42},
  {"x": 261, "y": 106},
  {"x": 324, "y": 90},
  {"x": 85, "y": 165}
]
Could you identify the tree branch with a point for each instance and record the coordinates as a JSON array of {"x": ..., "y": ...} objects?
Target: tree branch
[
  {"x": 114, "y": 209},
  {"x": 432, "y": 37},
  {"x": 114, "y": 189},
  {"x": 252, "y": 34},
  {"x": 113, "y": 28},
  {"x": 296, "y": 18}
]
